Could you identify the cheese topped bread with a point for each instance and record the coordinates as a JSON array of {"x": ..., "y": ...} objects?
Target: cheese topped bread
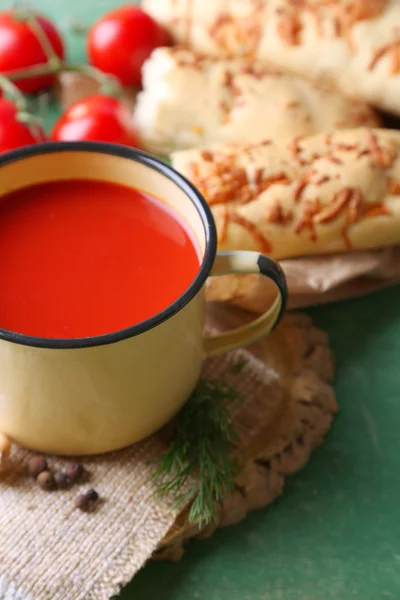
[
  {"x": 316, "y": 195},
  {"x": 352, "y": 44},
  {"x": 190, "y": 101}
]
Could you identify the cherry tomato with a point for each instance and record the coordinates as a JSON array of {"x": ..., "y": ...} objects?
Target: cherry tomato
[
  {"x": 120, "y": 42},
  {"x": 14, "y": 133},
  {"x": 20, "y": 48},
  {"x": 97, "y": 118}
]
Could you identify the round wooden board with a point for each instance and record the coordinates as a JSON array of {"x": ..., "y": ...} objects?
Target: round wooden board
[{"x": 300, "y": 354}]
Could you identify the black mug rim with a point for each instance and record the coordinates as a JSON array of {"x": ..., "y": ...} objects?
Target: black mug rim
[{"x": 164, "y": 169}]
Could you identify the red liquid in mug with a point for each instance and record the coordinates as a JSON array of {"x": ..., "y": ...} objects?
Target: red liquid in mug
[{"x": 83, "y": 258}]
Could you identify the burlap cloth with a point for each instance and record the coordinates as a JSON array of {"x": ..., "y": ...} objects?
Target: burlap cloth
[{"x": 51, "y": 551}]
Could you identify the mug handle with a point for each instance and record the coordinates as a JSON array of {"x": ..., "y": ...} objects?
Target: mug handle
[{"x": 227, "y": 263}]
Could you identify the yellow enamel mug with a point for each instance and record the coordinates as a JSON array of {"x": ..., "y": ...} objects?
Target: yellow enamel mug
[{"x": 97, "y": 394}]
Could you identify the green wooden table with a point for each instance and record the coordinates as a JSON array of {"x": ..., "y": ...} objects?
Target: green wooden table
[{"x": 335, "y": 533}]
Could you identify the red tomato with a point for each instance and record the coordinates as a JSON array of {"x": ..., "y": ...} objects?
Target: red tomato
[
  {"x": 20, "y": 48},
  {"x": 120, "y": 42},
  {"x": 97, "y": 118},
  {"x": 14, "y": 133}
]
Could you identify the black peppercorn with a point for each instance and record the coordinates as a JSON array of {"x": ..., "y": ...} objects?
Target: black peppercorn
[
  {"x": 92, "y": 495},
  {"x": 81, "y": 502},
  {"x": 61, "y": 480},
  {"x": 36, "y": 465},
  {"x": 86, "y": 501},
  {"x": 46, "y": 481},
  {"x": 74, "y": 472}
]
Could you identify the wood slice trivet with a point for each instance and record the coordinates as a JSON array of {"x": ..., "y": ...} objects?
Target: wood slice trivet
[{"x": 301, "y": 356}]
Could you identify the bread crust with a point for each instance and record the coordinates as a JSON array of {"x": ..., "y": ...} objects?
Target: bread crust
[
  {"x": 352, "y": 44},
  {"x": 190, "y": 101},
  {"x": 321, "y": 194}
]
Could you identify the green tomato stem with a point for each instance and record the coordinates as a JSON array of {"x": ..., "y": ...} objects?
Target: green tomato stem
[
  {"x": 16, "y": 96},
  {"x": 23, "y": 13},
  {"x": 14, "y": 93},
  {"x": 34, "y": 123},
  {"x": 108, "y": 84},
  {"x": 43, "y": 40}
]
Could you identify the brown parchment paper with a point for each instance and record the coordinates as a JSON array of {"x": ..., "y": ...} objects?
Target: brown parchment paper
[{"x": 313, "y": 280}]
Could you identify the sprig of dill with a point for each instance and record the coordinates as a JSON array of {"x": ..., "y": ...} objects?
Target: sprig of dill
[
  {"x": 198, "y": 464},
  {"x": 163, "y": 157}
]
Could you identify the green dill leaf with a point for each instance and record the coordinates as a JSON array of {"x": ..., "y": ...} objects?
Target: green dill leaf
[
  {"x": 164, "y": 157},
  {"x": 201, "y": 452},
  {"x": 238, "y": 367}
]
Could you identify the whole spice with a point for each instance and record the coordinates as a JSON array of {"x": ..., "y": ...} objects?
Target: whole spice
[
  {"x": 87, "y": 500},
  {"x": 61, "y": 480},
  {"x": 36, "y": 465},
  {"x": 92, "y": 495},
  {"x": 46, "y": 481},
  {"x": 75, "y": 472}
]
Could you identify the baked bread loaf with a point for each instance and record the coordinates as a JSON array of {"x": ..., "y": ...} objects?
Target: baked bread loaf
[
  {"x": 190, "y": 101},
  {"x": 352, "y": 44},
  {"x": 322, "y": 194}
]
